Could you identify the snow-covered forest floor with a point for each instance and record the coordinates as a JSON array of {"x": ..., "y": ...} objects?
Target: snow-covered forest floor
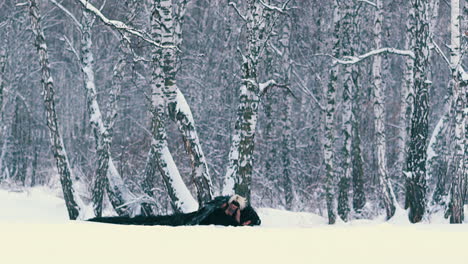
[{"x": 35, "y": 229}]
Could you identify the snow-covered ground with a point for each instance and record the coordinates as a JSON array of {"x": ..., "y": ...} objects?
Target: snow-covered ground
[{"x": 34, "y": 229}]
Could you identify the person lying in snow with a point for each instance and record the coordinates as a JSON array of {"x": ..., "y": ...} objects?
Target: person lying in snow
[{"x": 222, "y": 210}]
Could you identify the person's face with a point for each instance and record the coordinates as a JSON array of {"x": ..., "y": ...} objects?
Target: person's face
[{"x": 231, "y": 209}]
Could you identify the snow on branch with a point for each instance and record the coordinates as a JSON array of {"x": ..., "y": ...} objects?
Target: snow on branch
[
  {"x": 275, "y": 8},
  {"x": 368, "y": 2},
  {"x": 264, "y": 87},
  {"x": 356, "y": 59},
  {"x": 119, "y": 25},
  {"x": 237, "y": 11}
]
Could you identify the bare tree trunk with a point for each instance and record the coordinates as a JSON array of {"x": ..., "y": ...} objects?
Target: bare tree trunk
[
  {"x": 416, "y": 161},
  {"x": 359, "y": 196},
  {"x": 159, "y": 157},
  {"x": 379, "y": 117},
  {"x": 3, "y": 60},
  {"x": 178, "y": 109},
  {"x": 407, "y": 98},
  {"x": 287, "y": 137},
  {"x": 329, "y": 133},
  {"x": 259, "y": 24},
  {"x": 347, "y": 49},
  {"x": 328, "y": 144},
  {"x": 72, "y": 201},
  {"x": 119, "y": 195},
  {"x": 459, "y": 105}
]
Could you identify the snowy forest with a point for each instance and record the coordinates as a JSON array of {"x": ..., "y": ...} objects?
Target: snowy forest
[{"x": 349, "y": 109}]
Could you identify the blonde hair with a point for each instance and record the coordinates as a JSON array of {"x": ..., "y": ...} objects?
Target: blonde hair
[{"x": 241, "y": 200}]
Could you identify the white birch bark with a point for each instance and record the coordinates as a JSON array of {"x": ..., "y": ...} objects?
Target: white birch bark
[
  {"x": 259, "y": 21},
  {"x": 233, "y": 159},
  {"x": 159, "y": 157},
  {"x": 329, "y": 133},
  {"x": 119, "y": 195},
  {"x": 347, "y": 49},
  {"x": 458, "y": 187},
  {"x": 407, "y": 98},
  {"x": 379, "y": 117},
  {"x": 178, "y": 109},
  {"x": 3, "y": 60},
  {"x": 72, "y": 200}
]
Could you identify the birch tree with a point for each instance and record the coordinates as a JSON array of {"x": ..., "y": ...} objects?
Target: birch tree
[
  {"x": 359, "y": 196},
  {"x": 347, "y": 49},
  {"x": 72, "y": 201},
  {"x": 329, "y": 133},
  {"x": 259, "y": 20},
  {"x": 178, "y": 109},
  {"x": 459, "y": 105},
  {"x": 159, "y": 156},
  {"x": 407, "y": 96},
  {"x": 379, "y": 116},
  {"x": 287, "y": 137},
  {"x": 3, "y": 60},
  {"x": 107, "y": 176},
  {"x": 416, "y": 161}
]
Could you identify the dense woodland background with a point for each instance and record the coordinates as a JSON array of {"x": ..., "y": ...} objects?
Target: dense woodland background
[{"x": 289, "y": 169}]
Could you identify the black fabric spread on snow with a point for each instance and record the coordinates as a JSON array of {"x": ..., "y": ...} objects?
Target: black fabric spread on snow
[
  {"x": 218, "y": 217},
  {"x": 210, "y": 214}
]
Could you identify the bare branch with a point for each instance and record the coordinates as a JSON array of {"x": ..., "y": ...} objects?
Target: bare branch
[
  {"x": 275, "y": 8},
  {"x": 237, "y": 11},
  {"x": 119, "y": 25},
  {"x": 307, "y": 91},
  {"x": 368, "y": 2},
  {"x": 461, "y": 71},
  {"x": 264, "y": 87},
  {"x": 102, "y": 6},
  {"x": 440, "y": 52},
  {"x": 78, "y": 24},
  {"x": 72, "y": 49}
]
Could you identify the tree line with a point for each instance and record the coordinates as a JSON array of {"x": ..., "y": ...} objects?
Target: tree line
[{"x": 346, "y": 108}]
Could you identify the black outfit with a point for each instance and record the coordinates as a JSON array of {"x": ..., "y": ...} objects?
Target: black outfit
[
  {"x": 210, "y": 214},
  {"x": 249, "y": 214},
  {"x": 219, "y": 217}
]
